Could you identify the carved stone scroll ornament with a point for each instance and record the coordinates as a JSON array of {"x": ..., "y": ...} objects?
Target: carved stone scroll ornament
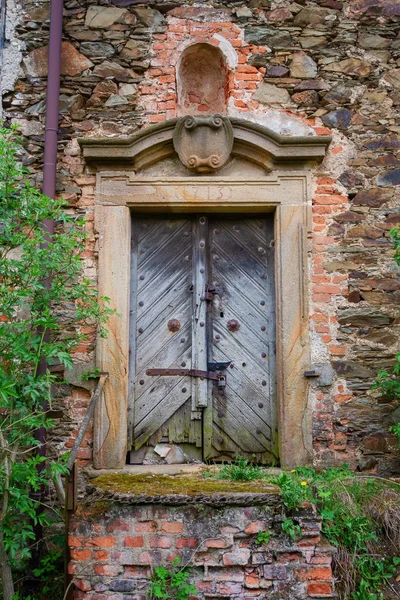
[{"x": 203, "y": 144}]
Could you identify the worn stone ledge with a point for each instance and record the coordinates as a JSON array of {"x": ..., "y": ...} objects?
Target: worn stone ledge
[{"x": 145, "y": 490}]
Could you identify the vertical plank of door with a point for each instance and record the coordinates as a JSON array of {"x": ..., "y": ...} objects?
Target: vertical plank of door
[
  {"x": 132, "y": 330},
  {"x": 199, "y": 335}
]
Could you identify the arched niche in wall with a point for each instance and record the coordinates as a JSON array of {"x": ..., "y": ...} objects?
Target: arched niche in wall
[{"x": 202, "y": 80}]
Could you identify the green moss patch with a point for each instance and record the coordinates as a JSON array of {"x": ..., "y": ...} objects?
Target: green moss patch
[{"x": 187, "y": 485}]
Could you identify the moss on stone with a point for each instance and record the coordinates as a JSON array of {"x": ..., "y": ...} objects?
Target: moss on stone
[
  {"x": 94, "y": 510},
  {"x": 188, "y": 485}
]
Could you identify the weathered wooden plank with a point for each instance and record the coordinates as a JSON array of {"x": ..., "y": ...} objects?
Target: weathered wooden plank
[
  {"x": 242, "y": 355},
  {"x": 238, "y": 233},
  {"x": 199, "y": 317},
  {"x": 237, "y": 429},
  {"x": 162, "y": 412},
  {"x": 153, "y": 344},
  {"x": 230, "y": 401},
  {"x": 253, "y": 293},
  {"x": 256, "y": 399},
  {"x": 162, "y": 240}
]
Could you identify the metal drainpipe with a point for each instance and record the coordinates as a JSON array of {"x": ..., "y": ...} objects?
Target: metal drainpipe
[
  {"x": 2, "y": 36},
  {"x": 48, "y": 188}
]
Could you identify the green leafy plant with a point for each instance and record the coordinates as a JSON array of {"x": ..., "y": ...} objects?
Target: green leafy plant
[
  {"x": 263, "y": 538},
  {"x": 396, "y": 430},
  {"x": 291, "y": 529},
  {"x": 51, "y": 574},
  {"x": 47, "y": 308},
  {"x": 171, "y": 582},
  {"x": 94, "y": 374},
  {"x": 240, "y": 470}
]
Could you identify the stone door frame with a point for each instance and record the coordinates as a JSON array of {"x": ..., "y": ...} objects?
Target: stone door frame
[{"x": 122, "y": 188}]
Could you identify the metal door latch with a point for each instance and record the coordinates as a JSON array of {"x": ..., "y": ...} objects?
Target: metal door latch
[
  {"x": 183, "y": 372},
  {"x": 210, "y": 291},
  {"x": 214, "y": 372}
]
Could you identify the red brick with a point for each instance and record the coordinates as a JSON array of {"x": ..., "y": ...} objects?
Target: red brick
[
  {"x": 237, "y": 557},
  {"x": 108, "y": 570},
  {"x": 83, "y": 585},
  {"x": 230, "y": 588},
  {"x": 217, "y": 543},
  {"x": 74, "y": 542},
  {"x": 117, "y": 525},
  {"x": 255, "y": 527},
  {"x": 248, "y": 76},
  {"x": 145, "y": 526},
  {"x": 329, "y": 199},
  {"x": 321, "y": 297},
  {"x": 172, "y": 527},
  {"x": 100, "y": 555},
  {"x": 134, "y": 541},
  {"x": 102, "y": 541},
  {"x": 319, "y": 589},
  {"x": 146, "y": 558},
  {"x": 316, "y": 573},
  {"x": 252, "y": 581},
  {"x": 187, "y": 543},
  {"x": 81, "y": 554},
  {"x": 160, "y": 542}
]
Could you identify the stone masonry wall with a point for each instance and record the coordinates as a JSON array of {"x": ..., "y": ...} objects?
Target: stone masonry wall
[
  {"x": 329, "y": 65},
  {"x": 113, "y": 551}
]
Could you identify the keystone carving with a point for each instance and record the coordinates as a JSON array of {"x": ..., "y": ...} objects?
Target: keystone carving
[{"x": 203, "y": 144}]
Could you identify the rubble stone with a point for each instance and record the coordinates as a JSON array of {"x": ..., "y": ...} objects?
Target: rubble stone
[
  {"x": 72, "y": 61},
  {"x": 267, "y": 93},
  {"x": 303, "y": 66}
]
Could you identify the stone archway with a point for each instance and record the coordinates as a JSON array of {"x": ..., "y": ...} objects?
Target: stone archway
[{"x": 264, "y": 172}]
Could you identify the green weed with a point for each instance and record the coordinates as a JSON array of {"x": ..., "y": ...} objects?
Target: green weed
[
  {"x": 262, "y": 538},
  {"x": 291, "y": 529},
  {"x": 240, "y": 470},
  {"x": 171, "y": 582}
]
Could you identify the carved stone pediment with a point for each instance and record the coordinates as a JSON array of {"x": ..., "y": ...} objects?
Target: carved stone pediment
[{"x": 203, "y": 144}]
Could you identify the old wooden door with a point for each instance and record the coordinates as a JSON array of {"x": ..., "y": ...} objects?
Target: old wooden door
[{"x": 202, "y": 306}]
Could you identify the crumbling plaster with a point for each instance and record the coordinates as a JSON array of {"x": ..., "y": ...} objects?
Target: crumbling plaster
[{"x": 10, "y": 63}]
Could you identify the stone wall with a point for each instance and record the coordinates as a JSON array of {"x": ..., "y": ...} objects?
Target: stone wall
[
  {"x": 327, "y": 64},
  {"x": 113, "y": 550}
]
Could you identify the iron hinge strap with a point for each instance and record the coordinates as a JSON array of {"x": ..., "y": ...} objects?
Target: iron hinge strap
[{"x": 184, "y": 372}]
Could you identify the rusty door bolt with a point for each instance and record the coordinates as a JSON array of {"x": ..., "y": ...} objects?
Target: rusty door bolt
[
  {"x": 174, "y": 325},
  {"x": 233, "y": 325}
]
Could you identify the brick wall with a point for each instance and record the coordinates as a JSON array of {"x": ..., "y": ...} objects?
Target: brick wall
[
  {"x": 114, "y": 549},
  {"x": 327, "y": 64}
]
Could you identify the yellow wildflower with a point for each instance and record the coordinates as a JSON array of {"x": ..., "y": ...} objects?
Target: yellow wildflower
[
  {"x": 293, "y": 471},
  {"x": 304, "y": 483}
]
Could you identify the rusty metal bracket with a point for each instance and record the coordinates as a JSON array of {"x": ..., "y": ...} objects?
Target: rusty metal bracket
[
  {"x": 210, "y": 292},
  {"x": 183, "y": 372}
]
